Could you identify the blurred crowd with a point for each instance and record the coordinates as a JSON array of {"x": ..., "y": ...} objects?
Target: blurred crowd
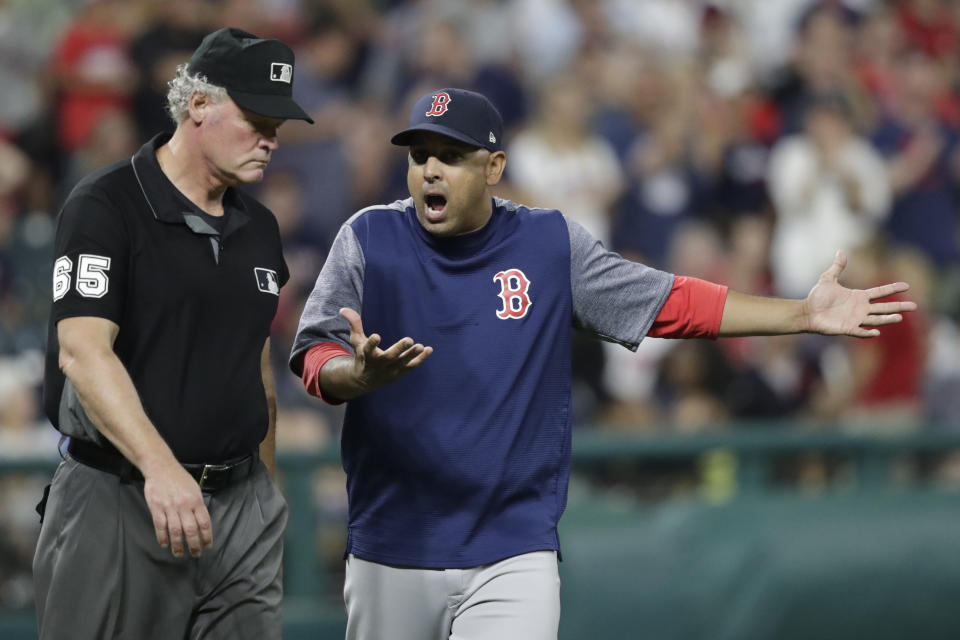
[{"x": 740, "y": 141}]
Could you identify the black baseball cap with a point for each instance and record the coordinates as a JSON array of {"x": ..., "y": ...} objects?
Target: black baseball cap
[
  {"x": 256, "y": 72},
  {"x": 463, "y": 115}
]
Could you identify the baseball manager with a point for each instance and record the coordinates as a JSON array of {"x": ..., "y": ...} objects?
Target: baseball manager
[{"x": 456, "y": 438}]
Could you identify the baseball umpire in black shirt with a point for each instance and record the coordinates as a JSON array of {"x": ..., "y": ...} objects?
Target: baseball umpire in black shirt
[{"x": 163, "y": 521}]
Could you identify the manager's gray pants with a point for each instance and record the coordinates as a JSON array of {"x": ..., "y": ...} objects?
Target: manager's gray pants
[
  {"x": 514, "y": 599},
  {"x": 100, "y": 574}
]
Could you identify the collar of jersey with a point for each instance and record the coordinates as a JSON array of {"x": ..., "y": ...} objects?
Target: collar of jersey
[
  {"x": 457, "y": 246},
  {"x": 168, "y": 204}
]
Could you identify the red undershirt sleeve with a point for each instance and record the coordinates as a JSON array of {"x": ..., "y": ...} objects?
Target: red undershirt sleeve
[
  {"x": 693, "y": 309},
  {"x": 313, "y": 361}
]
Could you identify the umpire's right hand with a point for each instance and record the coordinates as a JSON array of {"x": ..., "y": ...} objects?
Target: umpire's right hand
[{"x": 176, "y": 504}]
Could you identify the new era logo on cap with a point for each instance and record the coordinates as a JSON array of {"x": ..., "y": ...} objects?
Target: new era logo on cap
[{"x": 281, "y": 72}]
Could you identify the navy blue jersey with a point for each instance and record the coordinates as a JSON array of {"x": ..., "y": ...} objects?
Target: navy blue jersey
[{"x": 465, "y": 460}]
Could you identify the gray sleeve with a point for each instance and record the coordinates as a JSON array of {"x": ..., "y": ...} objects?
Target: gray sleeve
[
  {"x": 614, "y": 299},
  {"x": 340, "y": 284}
]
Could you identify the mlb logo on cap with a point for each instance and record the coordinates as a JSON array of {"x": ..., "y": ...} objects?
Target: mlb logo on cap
[
  {"x": 256, "y": 72},
  {"x": 281, "y": 72}
]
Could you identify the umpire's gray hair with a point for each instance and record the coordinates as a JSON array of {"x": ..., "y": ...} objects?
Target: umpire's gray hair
[{"x": 182, "y": 87}]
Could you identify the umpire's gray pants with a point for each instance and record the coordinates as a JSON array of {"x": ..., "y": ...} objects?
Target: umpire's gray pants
[
  {"x": 514, "y": 599},
  {"x": 100, "y": 574}
]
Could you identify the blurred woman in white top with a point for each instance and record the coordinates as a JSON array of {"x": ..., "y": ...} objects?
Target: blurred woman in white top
[{"x": 830, "y": 191}]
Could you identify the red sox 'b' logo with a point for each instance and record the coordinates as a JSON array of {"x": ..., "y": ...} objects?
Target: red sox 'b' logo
[
  {"x": 441, "y": 102},
  {"x": 513, "y": 291}
]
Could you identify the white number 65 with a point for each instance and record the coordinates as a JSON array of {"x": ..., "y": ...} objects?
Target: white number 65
[{"x": 92, "y": 280}]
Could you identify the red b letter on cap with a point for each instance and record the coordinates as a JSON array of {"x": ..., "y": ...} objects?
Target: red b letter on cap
[
  {"x": 513, "y": 291},
  {"x": 440, "y": 101}
]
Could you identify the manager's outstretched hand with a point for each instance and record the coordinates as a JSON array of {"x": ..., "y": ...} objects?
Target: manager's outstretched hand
[
  {"x": 833, "y": 309},
  {"x": 374, "y": 367}
]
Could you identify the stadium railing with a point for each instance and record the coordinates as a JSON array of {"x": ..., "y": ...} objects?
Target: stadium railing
[{"x": 729, "y": 464}]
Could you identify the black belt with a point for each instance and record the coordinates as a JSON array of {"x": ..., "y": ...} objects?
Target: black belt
[{"x": 210, "y": 477}]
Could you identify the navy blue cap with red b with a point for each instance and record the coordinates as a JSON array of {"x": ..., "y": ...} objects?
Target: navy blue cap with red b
[{"x": 463, "y": 115}]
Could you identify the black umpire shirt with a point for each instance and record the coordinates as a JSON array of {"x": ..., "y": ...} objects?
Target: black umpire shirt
[{"x": 194, "y": 304}]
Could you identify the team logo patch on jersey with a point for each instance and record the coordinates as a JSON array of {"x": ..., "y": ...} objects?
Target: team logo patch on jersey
[
  {"x": 281, "y": 72},
  {"x": 267, "y": 280},
  {"x": 514, "y": 293},
  {"x": 441, "y": 102}
]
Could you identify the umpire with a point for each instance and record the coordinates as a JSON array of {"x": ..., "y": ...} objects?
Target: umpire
[{"x": 164, "y": 287}]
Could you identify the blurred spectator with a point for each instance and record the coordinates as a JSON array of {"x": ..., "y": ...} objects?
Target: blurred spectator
[
  {"x": 24, "y": 258},
  {"x": 879, "y": 42},
  {"x": 748, "y": 250},
  {"x": 330, "y": 61},
  {"x": 26, "y": 32},
  {"x": 663, "y": 190},
  {"x": 670, "y": 27},
  {"x": 929, "y": 25},
  {"x": 730, "y": 145},
  {"x": 886, "y": 374},
  {"x": 830, "y": 191},
  {"x": 633, "y": 90},
  {"x": 21, "y": 435},
  {"x": 942, "y": 388},
  {"x": 821, "y": 63},
  {"x": 21, "y": 431},
  {"x": 558, "y": 161},
  {"x": 26, "y": 253},
  {"x": 723, "y": 54},
  {"x": 729, "y": 153},
  {"x": 549, "y": 48},
  {"x": 266, "y": 18},
  {"x": 923, "y": 158},
  {"x": 176, "y": 29},
  {"x": 692, "y": 386},
  {"x": 14, "y": 168},
  {"x": 429, "y": 44},
  {"x": 769, "y": 29},
  {"x": 489, "y": 26},
  {"x": 629, "y": 382},
  {"x": 774, "y": 377},
  {"x": 93, "y": 70},
  {"x": 113, "y": 137}
]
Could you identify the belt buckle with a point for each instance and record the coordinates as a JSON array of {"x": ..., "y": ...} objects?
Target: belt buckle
[{"x": 207, "y": 468}]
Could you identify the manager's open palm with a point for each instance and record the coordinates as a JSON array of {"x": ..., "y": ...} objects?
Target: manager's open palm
[
  {"x": 833, "y": 309},
  {"x": 375, "y": 367}
]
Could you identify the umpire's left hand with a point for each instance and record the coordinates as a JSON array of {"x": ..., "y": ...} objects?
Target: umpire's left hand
[{"x": 176, "y": 504}]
